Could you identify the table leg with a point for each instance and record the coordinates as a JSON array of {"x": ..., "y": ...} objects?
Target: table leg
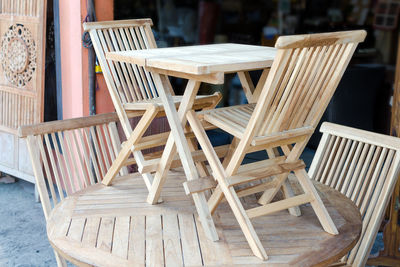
[
  {"x": 177, "y": 141},
  {"x": 252, "y": 93}
]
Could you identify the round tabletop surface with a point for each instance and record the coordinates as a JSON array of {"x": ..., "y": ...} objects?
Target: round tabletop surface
[{"x": 115, "y": 226}]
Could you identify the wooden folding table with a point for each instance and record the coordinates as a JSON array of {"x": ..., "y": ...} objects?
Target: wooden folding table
[{"x": 202, "y": 63}]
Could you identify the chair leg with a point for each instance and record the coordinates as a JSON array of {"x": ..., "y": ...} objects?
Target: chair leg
[
  {"x": 229, "y": 192},
  {"x": 287, "y": 190},
  {"x": 286, "y": 187},
  {"x": 244, "y": 221},
  {"x": 319, "y": 208},
  {"x": 36, "y": 192},
  {"x": 162, "y": 170},
  {"x": 137, "y": 133},
  {"x": 269, "y": 194},
  {"x": 288, "y": 193},
  {"x": 215, "y": 198},
  {"x": 60, "y": 261},
  {"x": 201, "y": 166}
]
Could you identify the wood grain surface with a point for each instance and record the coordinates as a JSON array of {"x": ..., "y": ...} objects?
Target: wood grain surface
[
  {"x": 200, "y": 59},
  {"x": 115, "y": 226}
]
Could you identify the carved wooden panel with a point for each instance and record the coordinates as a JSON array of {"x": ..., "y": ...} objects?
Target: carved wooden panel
[
  {"x": 22, "y": 48},
  {"x": 22, "y": 51}
]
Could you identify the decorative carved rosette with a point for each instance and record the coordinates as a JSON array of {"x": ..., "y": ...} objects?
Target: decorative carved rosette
[{"x": 18, "y": 55}]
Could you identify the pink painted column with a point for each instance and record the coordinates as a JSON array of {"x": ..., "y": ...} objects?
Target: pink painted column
[
  {"x": 71, "y": 58},
  {"x": 74, "y": 59}
]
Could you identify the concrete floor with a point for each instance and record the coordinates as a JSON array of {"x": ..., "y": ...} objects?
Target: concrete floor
[{"x": 23, "y": 239}]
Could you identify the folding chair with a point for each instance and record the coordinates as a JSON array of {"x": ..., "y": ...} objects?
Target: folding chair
[
  {"x": 364, "y": 166},
  {"x": 70, "y": 155},
  {"x": 300, "y": 84},
  {"x": 132, "y": 90}
]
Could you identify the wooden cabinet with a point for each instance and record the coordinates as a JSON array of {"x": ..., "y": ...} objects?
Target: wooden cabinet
[{"x": 22, "y": 51}]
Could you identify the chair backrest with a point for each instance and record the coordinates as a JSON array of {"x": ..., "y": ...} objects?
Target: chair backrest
[
  {"x": 70, "y": 155},
  {"x": 127, "y": 83},
  {"x": 364, "y": 166},
  {"x": 302, "y": 80}
]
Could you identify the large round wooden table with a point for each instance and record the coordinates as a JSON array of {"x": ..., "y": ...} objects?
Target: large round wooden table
[{"x": 114, "y": 226}]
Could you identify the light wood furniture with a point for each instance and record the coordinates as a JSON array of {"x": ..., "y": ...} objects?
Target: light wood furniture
[
  {"x": 363, "y": 166},
  {"x": 390, "y": 256},
  {"x": 114, "y": 226},
  {"x": 132, "y": 87},
  {"x": 70, "y": 155},
  {"x": 89, "y": 223},
  {"x": 23, "y": 32},
  {"x": 300, "y": 84},
  {"x": 22, "y": 56},
  {"x": 136, "y": 89},
  {"x": 207, "y": 63}
]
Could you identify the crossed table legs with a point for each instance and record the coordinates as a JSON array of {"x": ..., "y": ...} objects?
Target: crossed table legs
[{"x": 177, "y": 143}]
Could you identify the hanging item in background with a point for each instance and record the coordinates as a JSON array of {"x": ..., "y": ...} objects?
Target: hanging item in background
[
  {"x": 360, "y": 11},
  {"x": 283, "y": 10},
  {"x": 208, "y": 15},
  {"x": 386, "y": 14},
  {"x": 269, "y": 36},
  {"x": 97, "y": 68},
  {"x": 87, "y": 43}
]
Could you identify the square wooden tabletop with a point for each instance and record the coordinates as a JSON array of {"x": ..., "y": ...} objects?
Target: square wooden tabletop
[{"x": 200, "y": 59}]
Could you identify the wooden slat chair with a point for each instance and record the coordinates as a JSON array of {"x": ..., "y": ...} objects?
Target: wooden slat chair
[
  {"x": 73, "y": 154},
  {"x": 132, "y": 89},
  {"x": 300, "y": 84},
  {"x": 364, "y": 166}
]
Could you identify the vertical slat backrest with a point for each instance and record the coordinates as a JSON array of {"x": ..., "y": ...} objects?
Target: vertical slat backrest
[
  {"x": 20, "y": 8},
  {"x": 71, "y": 158},
  {"x": 302, "y": 80},
  {"x": 127, "y": 83},
  {"x": 363, "y": 166}
]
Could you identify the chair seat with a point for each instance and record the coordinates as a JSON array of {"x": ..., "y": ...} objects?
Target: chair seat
[
  {"x": 233, "y": 119},
  {"x": 201, "y": 100}
]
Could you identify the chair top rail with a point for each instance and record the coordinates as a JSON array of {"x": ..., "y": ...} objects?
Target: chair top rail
[
  {"x": 126, "y": 83},
  {"x": 302, "y": 79},
  {"x": 65, "y": 125},
  {"x": 321, "y": 39},
  {"x": 372, "y": 138},
  {"x": 87, "y": 26}
]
